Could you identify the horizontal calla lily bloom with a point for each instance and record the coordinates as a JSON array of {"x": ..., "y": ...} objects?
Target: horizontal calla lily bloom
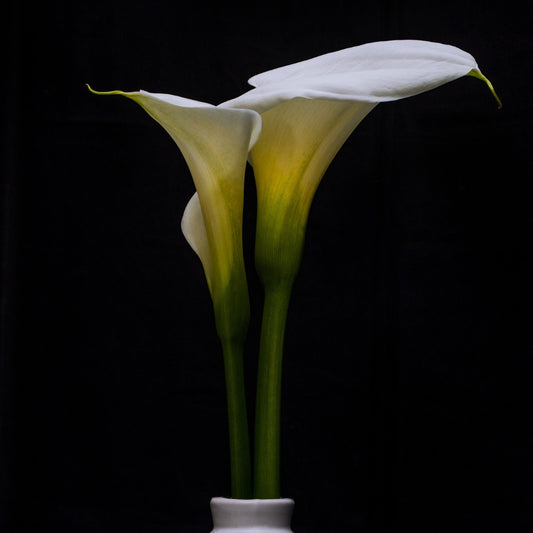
[
  {"x": 215, "y": 143},
  {"x": 308, "y": 110}
]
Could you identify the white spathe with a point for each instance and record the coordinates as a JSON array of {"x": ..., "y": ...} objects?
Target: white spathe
[
  {"x": 375, "y": 72},
  {"x": 215, "y": 143},
  {"x": 309, "y": 109}
]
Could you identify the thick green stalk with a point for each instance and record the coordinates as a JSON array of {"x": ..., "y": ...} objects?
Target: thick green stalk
[
  {"x": 268, "y": 404},
  {"x": 239, "y": 441}
]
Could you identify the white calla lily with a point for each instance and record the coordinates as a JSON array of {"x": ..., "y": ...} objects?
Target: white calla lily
[
  {"x": 308, "y": 110},
  {"x": 215, "y": 143}
]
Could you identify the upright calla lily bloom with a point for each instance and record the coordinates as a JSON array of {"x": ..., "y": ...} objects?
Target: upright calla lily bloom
[
  {"x": 308, "y": 110},
  {"x": 215, "y": 144}
]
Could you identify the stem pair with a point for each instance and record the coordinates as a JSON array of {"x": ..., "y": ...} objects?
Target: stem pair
[{"x": 268, "y": 404}]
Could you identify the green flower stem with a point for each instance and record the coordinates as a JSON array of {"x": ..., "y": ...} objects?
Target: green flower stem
[
  {"x": 268, "y": 406},
  {"x": 239, "y": 441}
]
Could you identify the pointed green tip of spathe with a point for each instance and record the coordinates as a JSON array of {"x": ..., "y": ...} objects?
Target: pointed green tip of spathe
[
  {"x": 105, "y": 92},
  {"x": 477, "y": 74}
]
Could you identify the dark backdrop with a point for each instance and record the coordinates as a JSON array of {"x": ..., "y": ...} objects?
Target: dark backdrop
[{"x": 407, "y": 382}]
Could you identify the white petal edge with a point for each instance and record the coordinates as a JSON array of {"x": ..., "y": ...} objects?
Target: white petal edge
[
  {"x": 371, "y": 56},
  {"x": 193, "y": 228},
  {"x": 175, "y": 100},
  {"x": 172, "y": 100},
  {"x": 373, "y": 73}
]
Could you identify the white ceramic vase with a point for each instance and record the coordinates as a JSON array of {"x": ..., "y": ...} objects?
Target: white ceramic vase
[{"x": 251, "y": 516}]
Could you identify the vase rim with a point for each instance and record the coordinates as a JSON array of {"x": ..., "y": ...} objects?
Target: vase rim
[{"x": 251, "y": 501}]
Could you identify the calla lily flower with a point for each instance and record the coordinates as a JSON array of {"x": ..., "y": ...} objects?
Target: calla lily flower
[
  {"x": 308, "y": 110},
  {"x": 215, "y": 143}
]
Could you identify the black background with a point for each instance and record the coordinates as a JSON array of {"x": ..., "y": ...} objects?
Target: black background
[{"x": 407, "y": 396}]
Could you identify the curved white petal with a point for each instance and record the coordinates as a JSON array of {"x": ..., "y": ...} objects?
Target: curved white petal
[
  {"x": 215, "y": 143},
  {"x": 374, "y": 72},
  {"x": 377, "y": 56},
  {"x": 184, "y": 119},
  {"x": 194, "y": 230}
]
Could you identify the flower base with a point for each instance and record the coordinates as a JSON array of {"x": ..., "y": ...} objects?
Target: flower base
[{"x": 247, "y": 516}]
